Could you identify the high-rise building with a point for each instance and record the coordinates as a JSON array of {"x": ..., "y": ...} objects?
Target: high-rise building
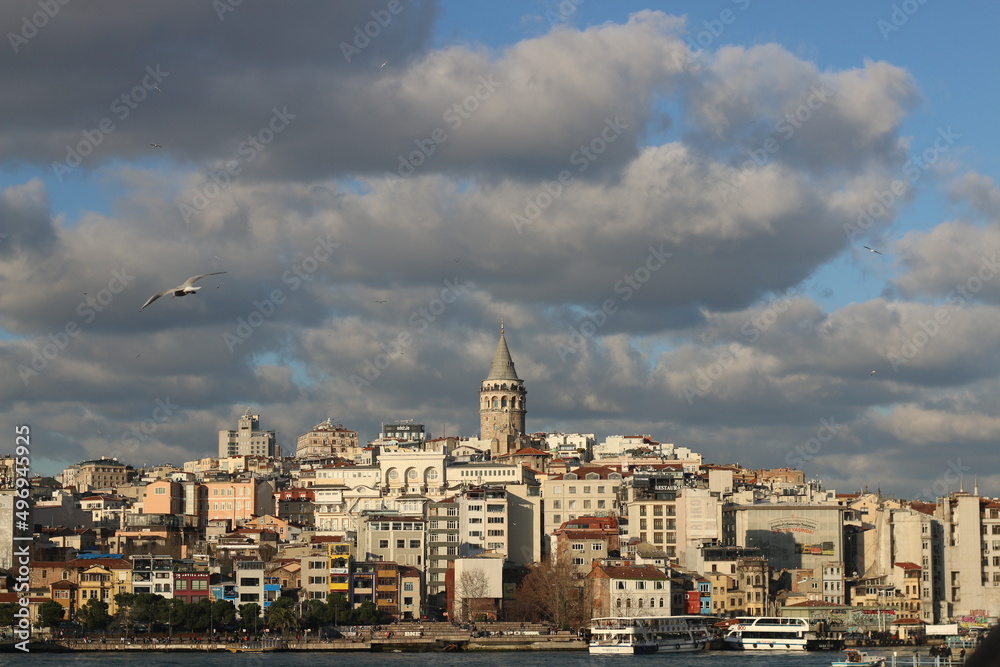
[
  {"x": 247, "y": 439},
  {"x": 502, "y": 404}
]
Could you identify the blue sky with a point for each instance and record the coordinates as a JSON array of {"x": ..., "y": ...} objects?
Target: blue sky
[{"x": 767, "y": 317}]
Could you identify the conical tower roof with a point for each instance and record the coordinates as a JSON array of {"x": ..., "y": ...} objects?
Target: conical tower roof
[{"x": 502, "y": 367}]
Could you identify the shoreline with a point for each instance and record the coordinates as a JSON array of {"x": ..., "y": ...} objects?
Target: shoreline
[{"x": 408, "y": 645}]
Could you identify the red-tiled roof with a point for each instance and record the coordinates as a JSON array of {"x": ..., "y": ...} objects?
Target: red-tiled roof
[
  {"x": 815, "y": 603},
  {"x": 584, "y": 535},
  {"x": 908, "y": 566},
  {"x": 923, "y": 508},
  {"x": 582, "y": 472},
  {"x": 634, "y": 572},
  {"x": 530, "y": 451}
]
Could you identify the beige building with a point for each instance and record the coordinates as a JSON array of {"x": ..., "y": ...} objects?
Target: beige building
[
  {"x": 102, "y": 473},
  {"x": 328, "y": 439},
  {"x": 247, "y": 439},
  {"x": 587, "y": 491}
]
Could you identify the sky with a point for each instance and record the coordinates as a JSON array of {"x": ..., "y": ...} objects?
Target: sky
[{"x": 667, "y": 204}]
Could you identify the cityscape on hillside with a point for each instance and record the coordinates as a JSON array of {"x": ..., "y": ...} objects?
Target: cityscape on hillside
[{"x": 421, "y": 528}]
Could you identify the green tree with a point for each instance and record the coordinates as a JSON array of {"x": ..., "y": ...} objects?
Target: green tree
[
  {"x": 94, "y": 615},
  {"x": 195, "y": 617},
  {"x": 282, "y": 616},
  {"x": 7, "y": 611},
  {"x": 367, "y": 614},
  {"x": 316, "y": 613},
  {"x": 50, "y": 614},
  {"x": 250, "y": 616},
  {"x": 223, "y": 613},
  {"x": 125, "y": 604},
  {"x": 148, "y": 607},
  {"x": 338, "y": 610}
]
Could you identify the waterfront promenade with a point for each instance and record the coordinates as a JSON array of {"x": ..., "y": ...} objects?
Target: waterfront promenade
[{"x": 398, "y": 636}]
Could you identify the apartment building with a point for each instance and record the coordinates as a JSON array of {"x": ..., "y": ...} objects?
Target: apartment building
[{"x": 587, "y": 491}]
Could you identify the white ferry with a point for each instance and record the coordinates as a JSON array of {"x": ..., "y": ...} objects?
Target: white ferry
[
  {"x": 770, "y": 633},
  {"x": 649, "y": 634}
]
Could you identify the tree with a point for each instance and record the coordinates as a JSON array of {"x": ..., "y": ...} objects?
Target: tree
[
  {"x": 94, "y": 615},
  {"x": 338, "y": 610},
  {"x": 554, "y": 593},
  {"x": 7, "y": 611},
  {"x": 281, "y": 614},
  {"x": 125, "y": 602},
  {"x": 316, "y": 613},
  {"x": 224, "y": 613},
  {"x": 50, "y": 614},
  {"x": 249, "y": 615},
  {"x": 148, "y": 607},
  {"x": 367, "y": 614},
  {"x": 471, "y": 585}
]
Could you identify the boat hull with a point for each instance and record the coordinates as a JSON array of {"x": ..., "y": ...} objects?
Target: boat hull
[{"x": 666, "y": 647}]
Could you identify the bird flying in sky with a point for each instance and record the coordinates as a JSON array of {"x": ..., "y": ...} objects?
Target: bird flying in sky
[
  {"x": 871, "y": 250},
  {"x": 156, "y": 145},
  {"x": 185, "y": 288}
]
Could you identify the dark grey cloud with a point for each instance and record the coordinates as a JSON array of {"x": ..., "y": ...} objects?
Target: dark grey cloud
[{"x": 655, "y": 290}]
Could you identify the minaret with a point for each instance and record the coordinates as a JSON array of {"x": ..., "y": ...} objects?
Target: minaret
[{"x": 501, "y": 403}]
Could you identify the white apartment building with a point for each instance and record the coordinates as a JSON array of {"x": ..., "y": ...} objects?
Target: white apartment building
[{"x": 567, "y": 445}]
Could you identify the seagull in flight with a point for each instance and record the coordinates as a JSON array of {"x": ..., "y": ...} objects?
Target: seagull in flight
[
  {"x": 383, "y": 64},
  {"x": 181, "y": 290},
  {"x": 382, "y": 301},
  {"x": 873, "y": 373},
  {"x": 156, "y": 145},
  {"x": 871, "y": 250}
]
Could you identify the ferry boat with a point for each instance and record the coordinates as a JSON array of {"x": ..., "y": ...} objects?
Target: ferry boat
[
  {"x": 770, "y": 633},
  {"x": 649, "y": 634}
]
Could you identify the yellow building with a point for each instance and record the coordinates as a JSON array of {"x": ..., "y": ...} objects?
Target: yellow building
[
  {"x": 103, "y": 580},
  {"x": 340, "y": 568}
]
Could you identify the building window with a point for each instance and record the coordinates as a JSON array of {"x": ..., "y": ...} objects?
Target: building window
[
  {"x": 577, "y": 547},
  {"x": 577, "y": 561},
  {"x": 408, "y": 587},
  {"x": 160, "y": 490},
  {"x": 596, "y": 546},
  {"x": 414, "y": 544},
  {"x": 383, "y": 544},
  {"x": 400, "y": 544}
]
